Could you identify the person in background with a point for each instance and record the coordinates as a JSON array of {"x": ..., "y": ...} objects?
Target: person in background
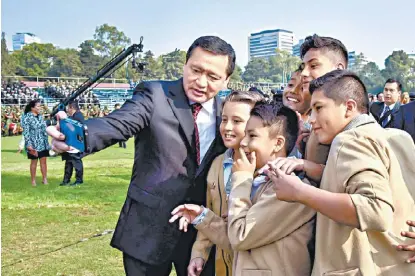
[
  {"x": 380, "y": 97},
  {"x": 36, "y": 140},
  {"x": 384, "y": 112},
  {"x": 405, "y": 98},
  {"x": 73, "y": 159}
]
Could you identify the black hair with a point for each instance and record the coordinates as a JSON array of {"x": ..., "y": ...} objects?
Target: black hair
[
  {"x": 325, "y": 44},
  {"x": 216, "y": 46},
  {"x": 74, "y": 105},
  {"x": 394, "y": 81},
  {"x": 280, "y": 119},
  {"x": 341, "y": 85},
  {"x": 31, "y": 105}
]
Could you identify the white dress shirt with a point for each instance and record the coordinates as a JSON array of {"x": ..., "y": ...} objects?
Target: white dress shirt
[{"x": 206, "y": 125}]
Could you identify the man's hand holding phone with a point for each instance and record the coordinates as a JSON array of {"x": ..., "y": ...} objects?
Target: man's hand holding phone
[{"x": 57, "y": 137}]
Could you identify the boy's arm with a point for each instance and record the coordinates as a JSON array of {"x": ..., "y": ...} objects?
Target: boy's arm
[
  {"x": 202, "y": 245},
  {"x": 362, "y": 174},
  {"x": 215, "y": 229},
  {"x": 266, "y": 221}
]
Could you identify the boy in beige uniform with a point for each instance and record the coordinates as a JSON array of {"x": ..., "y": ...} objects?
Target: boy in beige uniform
[
  {"x": 363, "y": 201},
  {"x": 269, "y": 236}
]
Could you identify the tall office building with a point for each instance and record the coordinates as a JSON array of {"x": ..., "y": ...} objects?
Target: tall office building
[
  {"x": 264, "y": 44},
  {"x": 297, "y": 48},
  {"x": 352, "y": 61},
  {"x": 22, "y": 39}
]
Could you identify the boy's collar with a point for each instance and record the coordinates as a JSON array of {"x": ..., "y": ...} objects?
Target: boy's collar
[{"x": 359, "y": 120}]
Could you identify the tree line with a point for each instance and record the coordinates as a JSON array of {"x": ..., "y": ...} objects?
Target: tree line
[{"x": 47, "y": 60}]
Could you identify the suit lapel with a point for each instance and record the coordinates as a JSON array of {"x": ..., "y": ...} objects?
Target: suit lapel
[
  {"x": 213, "y": 146},
  {"x": 181, "y": 109}
]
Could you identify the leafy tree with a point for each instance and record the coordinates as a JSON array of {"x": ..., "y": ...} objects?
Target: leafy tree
[
  {"x": 398, "y": 66},
  {"x": 172, "y": 64},
  {"x": 237, "y": 74},
  {"x": 372, "y": 77},
  {"x": 109, "y": 41},
  {"x": 91, "y": 62},
  {"x": 256, "y": 69},
  {"x": 66, "y": 63},
  {"x": 7, "y": 64},
  {"x": 34, "y": 59}
]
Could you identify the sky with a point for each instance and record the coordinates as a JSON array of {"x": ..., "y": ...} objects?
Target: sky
[{"x": 374, "y": 27}]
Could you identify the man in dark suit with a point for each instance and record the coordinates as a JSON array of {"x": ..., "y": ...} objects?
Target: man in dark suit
[
  {"x": 384, "y": 112},
  {"x": 121, "y": 144},
  {"x": 73, "y": 159},
  {"x": 176, "y": 125},
  {"x": 405, "y": 119}
]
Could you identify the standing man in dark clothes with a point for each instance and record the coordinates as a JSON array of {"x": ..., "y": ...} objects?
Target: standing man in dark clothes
[
  {"x": 176, "y": 125},
  {"x": 73, "y": 159}
]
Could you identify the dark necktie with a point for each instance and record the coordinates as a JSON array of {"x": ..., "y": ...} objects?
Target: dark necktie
[
  {"x": 195, "y": 110},
  {"x": 386, "y": 120}
]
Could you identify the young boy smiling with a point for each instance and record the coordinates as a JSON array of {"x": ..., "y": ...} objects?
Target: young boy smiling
[
  {"x": 268, "y": 236},
  {"x": 211, "y": 221},
  {"x": 363, "y": 202}
]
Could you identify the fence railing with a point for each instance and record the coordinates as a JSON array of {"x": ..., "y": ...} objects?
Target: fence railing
[{"x": 264, "y": 86}]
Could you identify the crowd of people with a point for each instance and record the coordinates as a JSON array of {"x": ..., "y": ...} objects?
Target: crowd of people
[
  {"x": 14, "y": 92},
  {"x": 317, "y": 182},
  {"x": 62, "y": 89}
]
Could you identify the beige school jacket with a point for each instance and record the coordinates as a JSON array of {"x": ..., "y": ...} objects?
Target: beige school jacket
[
  {"x": 214, "y": 229},
  {"x": 362, "y": 164},
  {"x": 270, "y": 237}
]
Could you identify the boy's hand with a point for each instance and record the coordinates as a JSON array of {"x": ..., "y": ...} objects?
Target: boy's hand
[
  {"x": 289, "y": 165},
  {"x": 187, "y": 213},
  {"x": 411, "y": 247},
  {"x": 195, "y": 267},
  {"x": 243, "y": 164},
  {"x": 287, "y": 187},
  {"x": 303, "y": 133}
]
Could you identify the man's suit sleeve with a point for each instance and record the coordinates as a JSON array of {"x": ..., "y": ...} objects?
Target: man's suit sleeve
[{"x": 130, "y": 119}]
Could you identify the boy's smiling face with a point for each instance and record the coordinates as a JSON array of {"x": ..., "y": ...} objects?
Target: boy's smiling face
[
  {"x": 257, "y": 138},
  {"x": 235, "y": 115},
  {"x": 328, "y": 117}
]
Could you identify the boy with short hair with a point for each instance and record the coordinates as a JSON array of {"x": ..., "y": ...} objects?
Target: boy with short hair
[
  {"x": 269, "y": 236},
  {"x": 363, "y": 201}
]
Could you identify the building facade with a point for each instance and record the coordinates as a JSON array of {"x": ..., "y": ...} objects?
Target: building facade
[
  {"x": 264, "y": 44},
  {"x": 22, "y": 39},
  {"x": 297, "y": 48}
]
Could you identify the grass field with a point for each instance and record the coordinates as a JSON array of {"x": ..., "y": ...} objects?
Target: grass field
[{"x": 41, "y": 226}]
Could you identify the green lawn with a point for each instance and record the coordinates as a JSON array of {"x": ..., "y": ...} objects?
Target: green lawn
[{"x": 38, "y": 221}]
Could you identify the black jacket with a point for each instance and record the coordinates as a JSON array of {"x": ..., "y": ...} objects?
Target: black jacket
[
  {"x": 376, "y": 110},
  {"x": 165, "y": 172},
  {"x": 405, "y": 119}
]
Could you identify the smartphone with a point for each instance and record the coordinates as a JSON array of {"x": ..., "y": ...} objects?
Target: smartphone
[{"x": 75, "y": 133}]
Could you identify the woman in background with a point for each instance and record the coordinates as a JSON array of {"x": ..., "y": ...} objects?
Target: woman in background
[{"x": 36, "y": 140}]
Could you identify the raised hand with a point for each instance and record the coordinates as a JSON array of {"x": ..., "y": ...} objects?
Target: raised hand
[
  {"x": 57, "y": 137},
  {"x": 243, "y": 164},
  {"x": 286, "y": 186},
  {"x": 187, "y": 213}
]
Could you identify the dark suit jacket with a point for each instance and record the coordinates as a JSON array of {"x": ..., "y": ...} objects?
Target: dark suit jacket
[
  {"x": 376, "y": 110},
  {"x": 405, "y": 119},
  {"x": 165, "y": 172}
]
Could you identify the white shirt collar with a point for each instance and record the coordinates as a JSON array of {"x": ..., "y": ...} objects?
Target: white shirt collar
[
  {"x": 209, "y": 106},
  {"x": 390, "y": 106}
]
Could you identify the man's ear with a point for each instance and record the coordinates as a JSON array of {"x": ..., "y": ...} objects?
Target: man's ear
[{"x": 279, "y": 143}]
